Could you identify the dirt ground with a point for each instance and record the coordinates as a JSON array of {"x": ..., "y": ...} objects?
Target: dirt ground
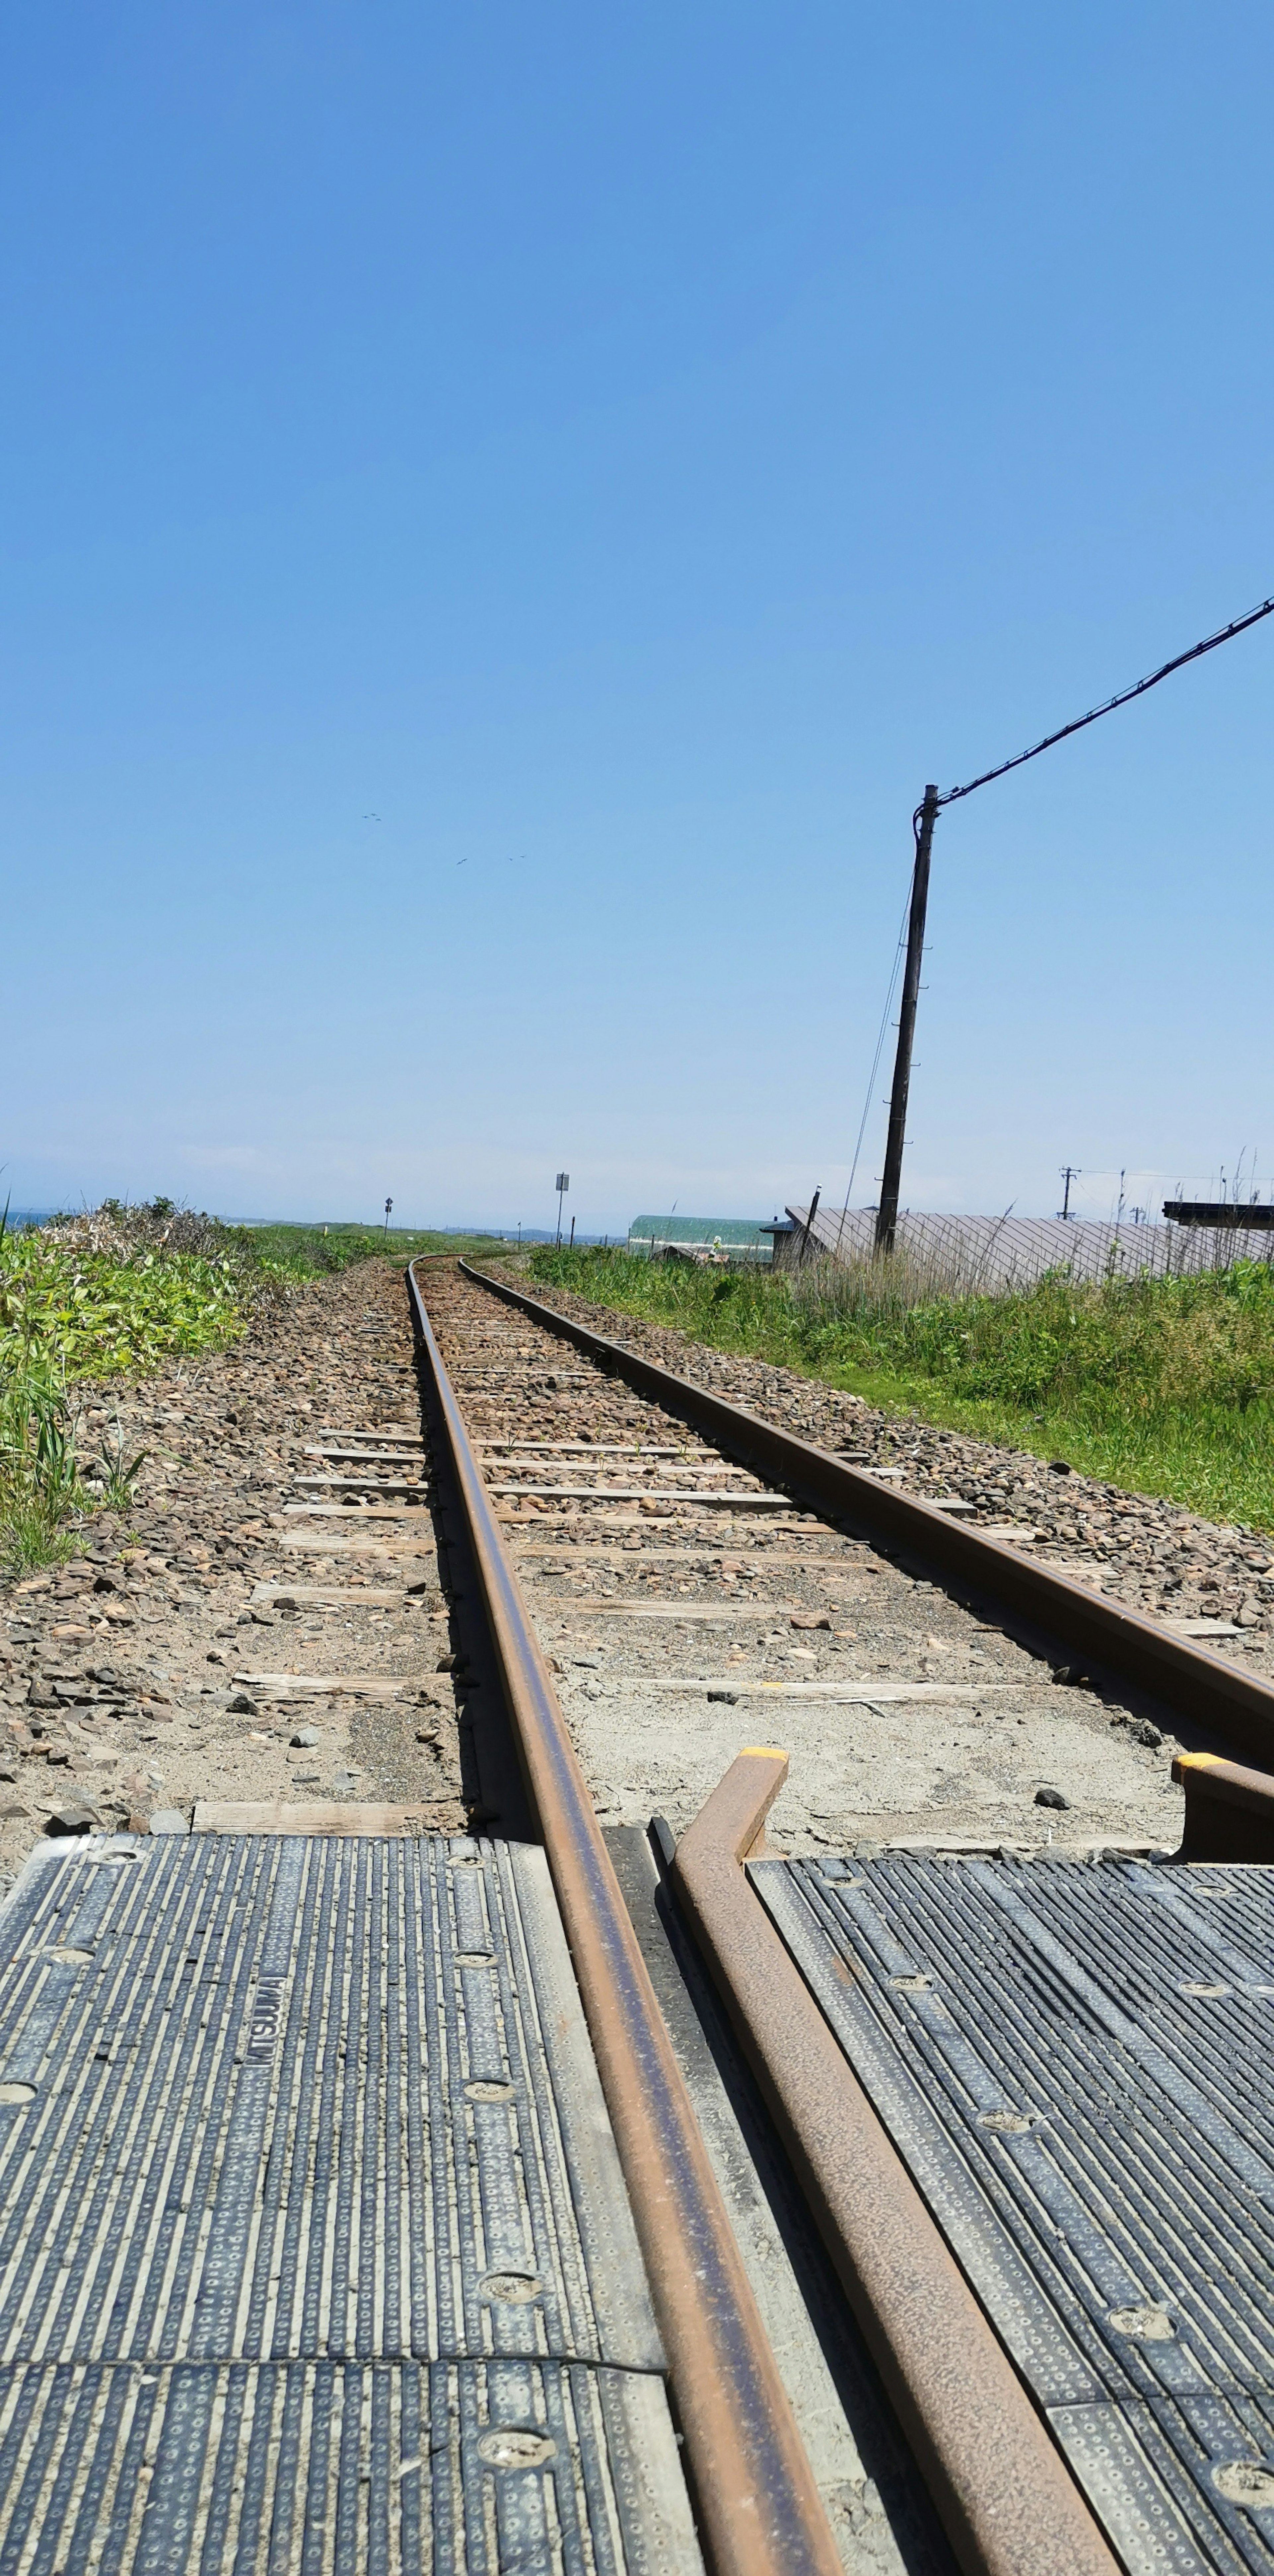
[
  {"x": 242, "y": 1606},
  {"x": 139, "y": 1678}
]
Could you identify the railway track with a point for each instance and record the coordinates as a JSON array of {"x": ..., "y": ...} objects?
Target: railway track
[
  {"x": 690, "y": 1570},
  {"x": 606, "y": 1482},
  {"x": 606, "y": 2189}
]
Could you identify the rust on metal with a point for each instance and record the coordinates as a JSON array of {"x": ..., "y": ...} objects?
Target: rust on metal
[
  {"x": 1229, "y": 1809},
  {"x": 1212, "y": 1693},
  {"x": 1005, "y": 2496},
  {"x": 317, "y": 1816},
  {"x": 759, "y": 2507}
]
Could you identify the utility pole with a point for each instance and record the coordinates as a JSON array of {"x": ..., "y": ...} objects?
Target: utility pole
[
  {"x": 1070, "y": 1172},
  {"x": 571, "y": 1246},
  {"x": 887, "y": 1214},
  {"x": 922, "y": 823}
]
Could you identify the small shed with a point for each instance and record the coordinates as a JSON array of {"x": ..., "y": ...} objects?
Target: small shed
[{"x": 739, "y": 1238}]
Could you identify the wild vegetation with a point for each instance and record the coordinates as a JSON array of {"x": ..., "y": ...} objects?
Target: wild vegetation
[
  {"x": 120, "y": 1289},
  {"x": 307, "y": 1251},
  {"x": 84, "y": 1298},
  {"x": 1165, "y": 1386}
]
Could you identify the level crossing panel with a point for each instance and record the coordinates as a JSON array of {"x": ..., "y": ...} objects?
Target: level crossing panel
[
  {"x": 315, "y": 2253},
  {"x": 1075, "y": 2062}
]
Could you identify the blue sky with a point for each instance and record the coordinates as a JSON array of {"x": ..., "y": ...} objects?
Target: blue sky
[{"x": 625, "y": 453}]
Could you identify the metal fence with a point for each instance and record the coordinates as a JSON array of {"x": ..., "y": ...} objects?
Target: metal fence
[{"x": 986, "y": 1252}]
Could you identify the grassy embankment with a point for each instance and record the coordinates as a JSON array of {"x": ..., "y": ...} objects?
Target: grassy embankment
[
  {"x": 118, "y": 1291},
  {"x": 306, "y": 1251},
  {"x": 1162, "y": 1386}
]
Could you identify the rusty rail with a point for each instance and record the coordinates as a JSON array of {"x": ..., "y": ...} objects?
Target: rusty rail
[
  {"x": 1229, "y": 1809},
  {"x": 1232, "y": 1705},
  {"x": 1005, "y": 2496},
  {"x": 759, "y": 2509}
]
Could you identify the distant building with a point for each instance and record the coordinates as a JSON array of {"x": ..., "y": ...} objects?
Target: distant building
[{"x": 694, "y": 1238}]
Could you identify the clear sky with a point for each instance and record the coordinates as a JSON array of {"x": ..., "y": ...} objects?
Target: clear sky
[{"x": 505, "y": 508}]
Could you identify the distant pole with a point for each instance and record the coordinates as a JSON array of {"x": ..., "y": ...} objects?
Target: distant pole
[
  {"x": 561, "y": 1185},
  {"x": 571, "y": 1245},
  {"x": 887, "y": 1214},
  {"x": 389, "y": 1206},
  {"x": 1069, "y": 1174}
]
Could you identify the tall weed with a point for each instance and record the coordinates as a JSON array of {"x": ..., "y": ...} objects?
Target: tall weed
[
  {"x": 87, "y": 1297},
  {"x": 1166, "y": 1384}
]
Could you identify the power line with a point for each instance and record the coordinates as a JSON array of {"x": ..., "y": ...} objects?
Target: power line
[
  {"x": 922, "y": 828},
  {"x": 1237, "y": 626}
]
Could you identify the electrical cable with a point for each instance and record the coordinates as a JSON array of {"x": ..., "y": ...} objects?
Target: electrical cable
[
  {"x": 933, "y": 802},
  {"x": 1237, "y": 626}
]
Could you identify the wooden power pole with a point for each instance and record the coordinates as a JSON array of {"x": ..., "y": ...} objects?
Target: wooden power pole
[
  {"x": 887, "y": 1216},
  {"x": 923, "y": 821}
]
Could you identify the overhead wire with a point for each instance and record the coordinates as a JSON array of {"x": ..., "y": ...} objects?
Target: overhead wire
[
  {"x": 899, "y": 954},
  {"x": 1237, "y": 626},
  {"x": 952, "y": 795}
]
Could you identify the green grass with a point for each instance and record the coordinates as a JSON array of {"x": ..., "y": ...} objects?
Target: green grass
[
  {"x": 1161, "y": 1386},
  {"x": 119, "y": 1291},
  {"x": 90, "y": 1298},
  {"x": 310, "y": 1251}
]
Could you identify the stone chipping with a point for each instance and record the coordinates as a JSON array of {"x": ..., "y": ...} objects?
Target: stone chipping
[
  {"x": 126, "y": 1689},
  {"x": 148, "y": 1673},
  {"x": 679, "y": 1632},
  {"x": 1153, "y": 1554}
]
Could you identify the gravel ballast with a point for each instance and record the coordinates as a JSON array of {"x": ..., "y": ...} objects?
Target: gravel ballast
[
  {"x": 1152, "y": 1554},
  {"x": 129, "y": 1678}
]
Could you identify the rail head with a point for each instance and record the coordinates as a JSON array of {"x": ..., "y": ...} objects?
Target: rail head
[
  {"x": 1007, "y": 2500},
  {"x": 759, "y": 2508},
  {"x": 1234, "y": 1706},
  {"x": 1229, "y": 1810}
]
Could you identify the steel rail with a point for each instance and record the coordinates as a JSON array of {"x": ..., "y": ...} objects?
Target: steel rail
[
  {"x": 759, "y": 2509},
  {"x": 1003, "y": 2491},
  {"x": 1229, "y": 1810},
  {"x": 1212, "y": 1694}
]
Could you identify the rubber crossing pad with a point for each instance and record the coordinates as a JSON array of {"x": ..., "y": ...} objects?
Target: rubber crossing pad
[
  {"x": 1075, "y": 2061},
  {"x": 314, "y": 2248}
]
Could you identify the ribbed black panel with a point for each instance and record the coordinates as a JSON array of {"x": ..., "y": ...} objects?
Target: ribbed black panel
[
  {"x": 331, "y": 2467},
  {"x": 1076, "y": 2063},
  {"x": 311, "y": 2202}
]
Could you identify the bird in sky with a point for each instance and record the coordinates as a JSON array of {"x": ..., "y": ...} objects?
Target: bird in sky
[{"x": 371, "y": 818}]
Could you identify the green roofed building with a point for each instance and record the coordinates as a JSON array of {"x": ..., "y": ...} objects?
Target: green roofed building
[{"x": 696, "y": 1238}]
